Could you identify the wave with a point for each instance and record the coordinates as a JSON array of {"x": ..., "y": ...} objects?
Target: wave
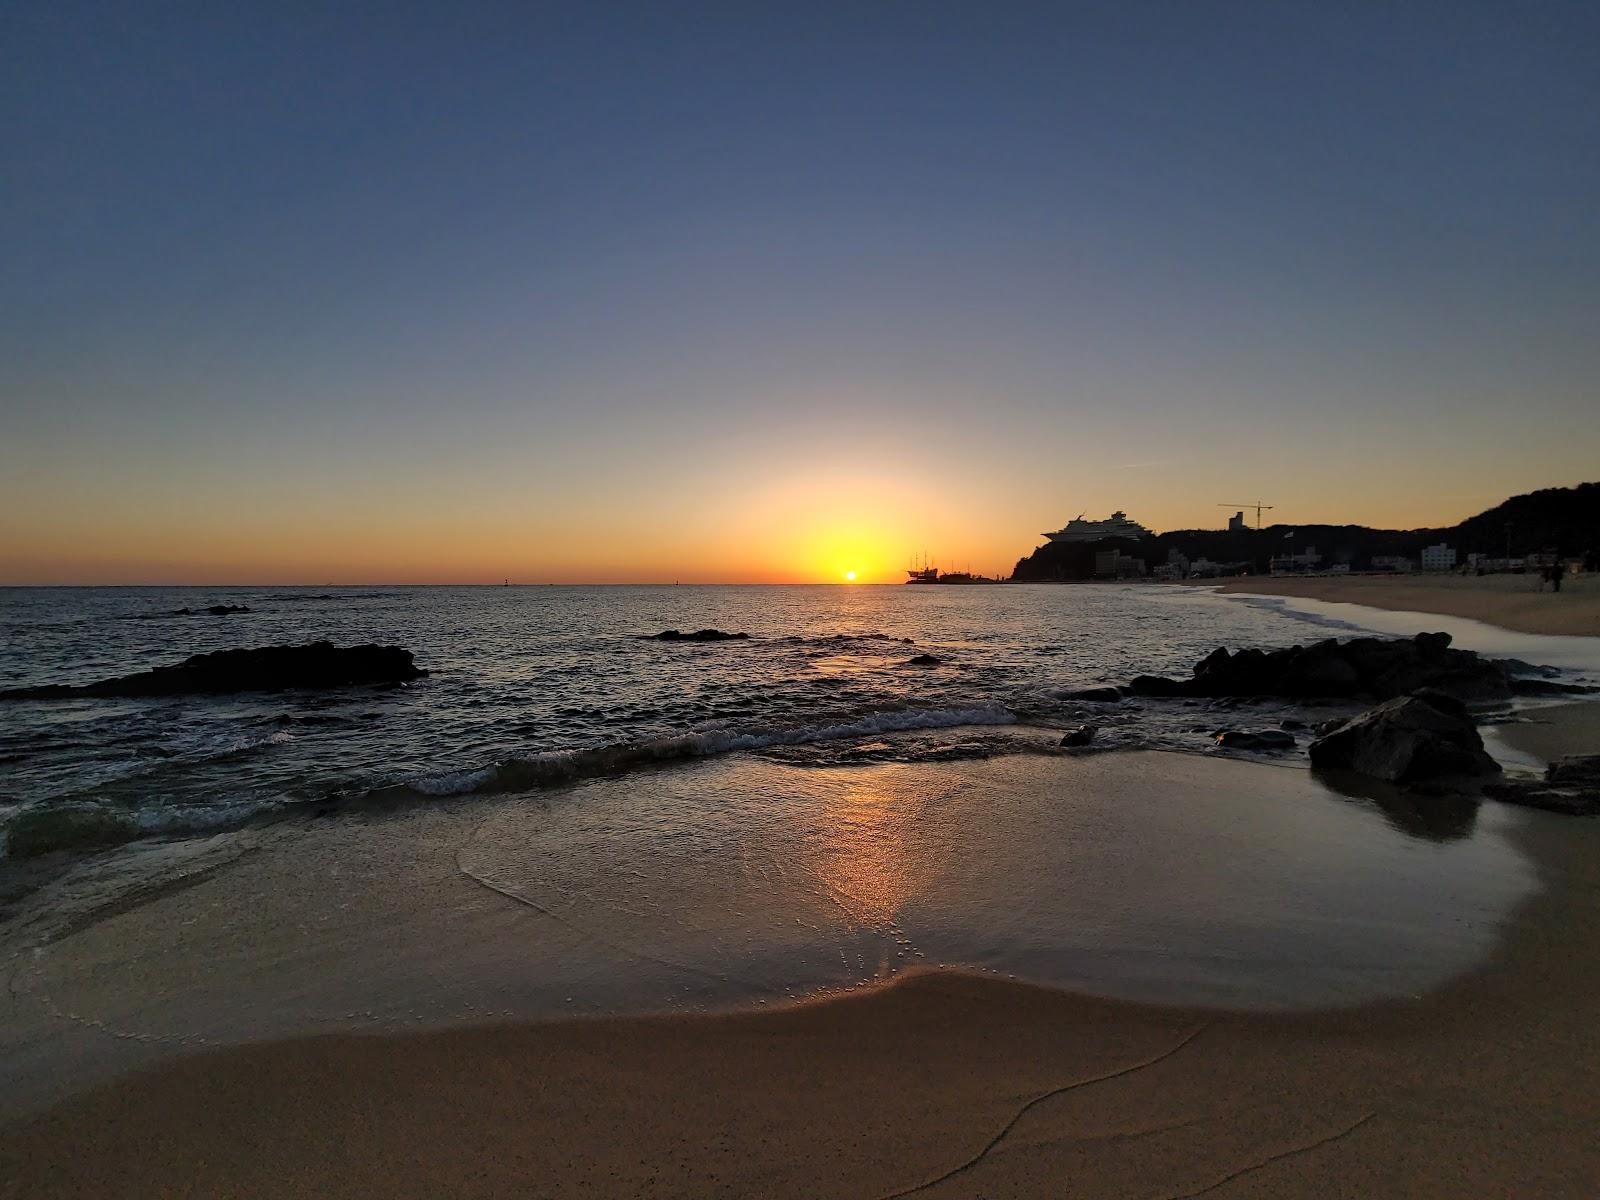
[
  {"x": 1280, "y": 605},
  {"x": 555, "y": 767},
  {"x": 84, "y": 824}
]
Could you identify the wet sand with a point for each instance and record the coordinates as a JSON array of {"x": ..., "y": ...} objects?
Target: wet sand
[
  {"x": 1552, "y": 730},
  {"x": 1509, "y": 601},
  {"x": 942, "y": 1085}
]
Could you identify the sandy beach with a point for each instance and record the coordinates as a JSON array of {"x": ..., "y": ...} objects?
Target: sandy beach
[
  {"x": 943, "y": 1084},
  {"x": 1509, "y": 601},
  {"x": 592, "y": 602}
]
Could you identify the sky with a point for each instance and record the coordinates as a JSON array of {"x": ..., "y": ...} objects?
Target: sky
[{"x": 746, "y": 292}]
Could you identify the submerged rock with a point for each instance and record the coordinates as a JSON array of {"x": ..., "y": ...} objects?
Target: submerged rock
[
  {"x": 1575, "y": 768},
  {"x": 262, "y": 669},
  {"x": 1081, "y": 736},
  {"x": 1536, "y": 793},
  {"x": 923, "y": 660},
  {"x": 1378, "y": 668},
  {"x": 699, "y": 635},
  {"x": 1550, "y": 687},
  {"x": 1570, "y": 785},
  {"x": 216, "y": 610},
  {"x": 1096, "y": 695},
  {"x": 1429, "y": 735},
  {"x": 1266, "y": 739}
]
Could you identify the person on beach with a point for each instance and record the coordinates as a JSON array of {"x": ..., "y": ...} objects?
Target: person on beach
[{"x": 1557, "y": 570}]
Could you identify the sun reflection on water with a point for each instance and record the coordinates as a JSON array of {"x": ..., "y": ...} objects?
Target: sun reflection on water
[{"x": 862, "y": 848}]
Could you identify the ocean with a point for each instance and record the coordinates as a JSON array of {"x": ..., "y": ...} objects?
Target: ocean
[
  {"x": 567, "y": 816},
  {"x": 532, "y": 687}
]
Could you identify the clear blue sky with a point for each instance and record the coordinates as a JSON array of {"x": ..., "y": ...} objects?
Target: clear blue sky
[{"x": 751, "y": 291}]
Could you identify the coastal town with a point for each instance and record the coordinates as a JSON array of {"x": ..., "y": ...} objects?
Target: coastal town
[{"x": 1551, "y": 536}]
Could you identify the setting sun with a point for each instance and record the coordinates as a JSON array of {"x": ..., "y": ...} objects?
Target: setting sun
[{"x": 850, "y": 576}]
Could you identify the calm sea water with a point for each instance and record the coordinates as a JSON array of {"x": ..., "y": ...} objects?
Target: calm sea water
[{"x": 531, "y": 686}]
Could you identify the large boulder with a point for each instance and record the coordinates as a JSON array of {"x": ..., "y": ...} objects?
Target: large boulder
[
  {"x": 1378, "y": 668},
  {"x": 1410, "y": 738},
  {"x": 262, "y": 669}
]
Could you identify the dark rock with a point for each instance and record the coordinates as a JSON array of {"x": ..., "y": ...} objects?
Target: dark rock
[
  {"x": 1432, "y": 643},
  {"x": 1157, "y": 685},
  {"x": 1519, "y": 666},
  {"x": 1234, "y": 739},
  {"x": 922, "y": 660},
  {"x": 1446, "y": 703},
  {"x": 1577, "y": 801},
  {"x": 1378, "y": 668},
  {"x": 1266, "y": 739},
  {"x": 1550, "y": 687},
  {"x": 1291, "y": 723},
  {"x": 1096, "y": 695},
  {"x": 1405, "y": 739},
  {"x": 1576, "y": 768},
  {"x": 263, "y": 669},
  {"x": 216, "y": 610},
  {"x": 1081, "y": 736},
  {"x": 699, "y": 635},
  {"x": 1320, "y": 671}
]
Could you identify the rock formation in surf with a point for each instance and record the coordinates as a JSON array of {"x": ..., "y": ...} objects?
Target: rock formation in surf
[
  {"x": 1570, "y": 785},
  {"x": 262, "y": 669},
  {"x": 1371, "y": 668}
]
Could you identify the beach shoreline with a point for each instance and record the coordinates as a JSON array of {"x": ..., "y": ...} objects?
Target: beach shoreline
[
  {"x": 1513, "y": 602},
  {"x": 940, "y": 1083}
]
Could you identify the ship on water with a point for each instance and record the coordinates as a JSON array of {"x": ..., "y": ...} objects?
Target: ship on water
[
  {"x": 928, "y": 573},
  {"x": 1117, "y": 525}
]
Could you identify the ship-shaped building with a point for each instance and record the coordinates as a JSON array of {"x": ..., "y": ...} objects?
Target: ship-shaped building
[{"x": 1117, "y": 525}]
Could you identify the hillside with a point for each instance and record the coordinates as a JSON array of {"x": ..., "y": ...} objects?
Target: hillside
[{"x": 1563, "y": 520}]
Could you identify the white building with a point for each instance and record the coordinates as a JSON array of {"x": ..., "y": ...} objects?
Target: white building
[
  {"x": 1392, "y": 562},
  {"x": 1281, "y": 564},
  {"x": 1439, "y": 558}
]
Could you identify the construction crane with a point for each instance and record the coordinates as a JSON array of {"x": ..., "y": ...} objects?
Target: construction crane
[{"x": 1244, "y": 504}]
